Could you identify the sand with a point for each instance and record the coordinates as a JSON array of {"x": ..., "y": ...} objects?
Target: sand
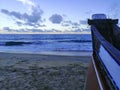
[{"x": 22, "y": 71}]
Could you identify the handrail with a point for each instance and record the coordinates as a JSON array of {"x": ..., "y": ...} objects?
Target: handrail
[
  {"x": 109, "y": 47},
  {"x": 112, "y": 51},
  {"x": 106, "y": 49}
]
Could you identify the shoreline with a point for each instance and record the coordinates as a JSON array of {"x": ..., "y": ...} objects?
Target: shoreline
[
  {"x": 58, "y": 53},
  {"x": 8, "y": 59}
]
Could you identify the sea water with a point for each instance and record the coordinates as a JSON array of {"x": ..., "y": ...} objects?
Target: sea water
[{"x": 36, "y": 43}]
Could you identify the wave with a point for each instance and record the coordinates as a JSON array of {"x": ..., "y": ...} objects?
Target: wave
[
  {"x": 40, "y": 42},
  {"x": 76, "y": 41},
  {"x": 20, "y": 43},
  {"x": 11, "y": 43}
]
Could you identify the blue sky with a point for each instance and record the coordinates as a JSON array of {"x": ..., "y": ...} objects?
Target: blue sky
[{"x": 37, "y": 16}]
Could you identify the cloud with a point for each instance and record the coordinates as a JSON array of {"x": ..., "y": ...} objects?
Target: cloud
[
  {"x": 52, "y": 30},
  {"x": 14, "y": 30},
  {"x": 73, "y": 30},
  {"x": 35, "y": 30},
  {"x": 77, "y": 30},
  {"x": 27, "y": 2},
  {"x": 7, "y": 29},
  {"x": 34, "y": 19},
  {"x": 30, "y": 24},
  {"x": 56, "y": 19},
  {"x": 19, "y": 23},
  {"x": 75, "y": 24},
  {"x": 66, "y": 23},
  {"x": 22, "y": 30},
  {"x": 83, "y": 22},
  {"x": 70, "y": 23},
  {"x": 5, "y": 11}
]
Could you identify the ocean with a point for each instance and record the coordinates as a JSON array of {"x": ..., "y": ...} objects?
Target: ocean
[{"x": 36, "y": 43}]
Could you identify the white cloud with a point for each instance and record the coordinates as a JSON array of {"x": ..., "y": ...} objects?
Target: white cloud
[{"x": 27, "y": 2}]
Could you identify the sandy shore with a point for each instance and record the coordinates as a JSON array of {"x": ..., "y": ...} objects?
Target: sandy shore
[{"x": 43, "y": 72}]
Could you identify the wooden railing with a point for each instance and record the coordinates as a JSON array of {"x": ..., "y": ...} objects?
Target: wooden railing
[{"x": 106, "y": 51}]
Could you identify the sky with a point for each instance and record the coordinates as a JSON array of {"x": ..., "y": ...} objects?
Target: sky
[{"x": 41, "y": 16}]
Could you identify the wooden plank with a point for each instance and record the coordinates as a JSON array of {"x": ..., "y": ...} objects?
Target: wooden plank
[{"x": 92, "y": 81}]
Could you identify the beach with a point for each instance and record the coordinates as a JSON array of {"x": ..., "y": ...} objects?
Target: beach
[{"x": 28, "y": 71}]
